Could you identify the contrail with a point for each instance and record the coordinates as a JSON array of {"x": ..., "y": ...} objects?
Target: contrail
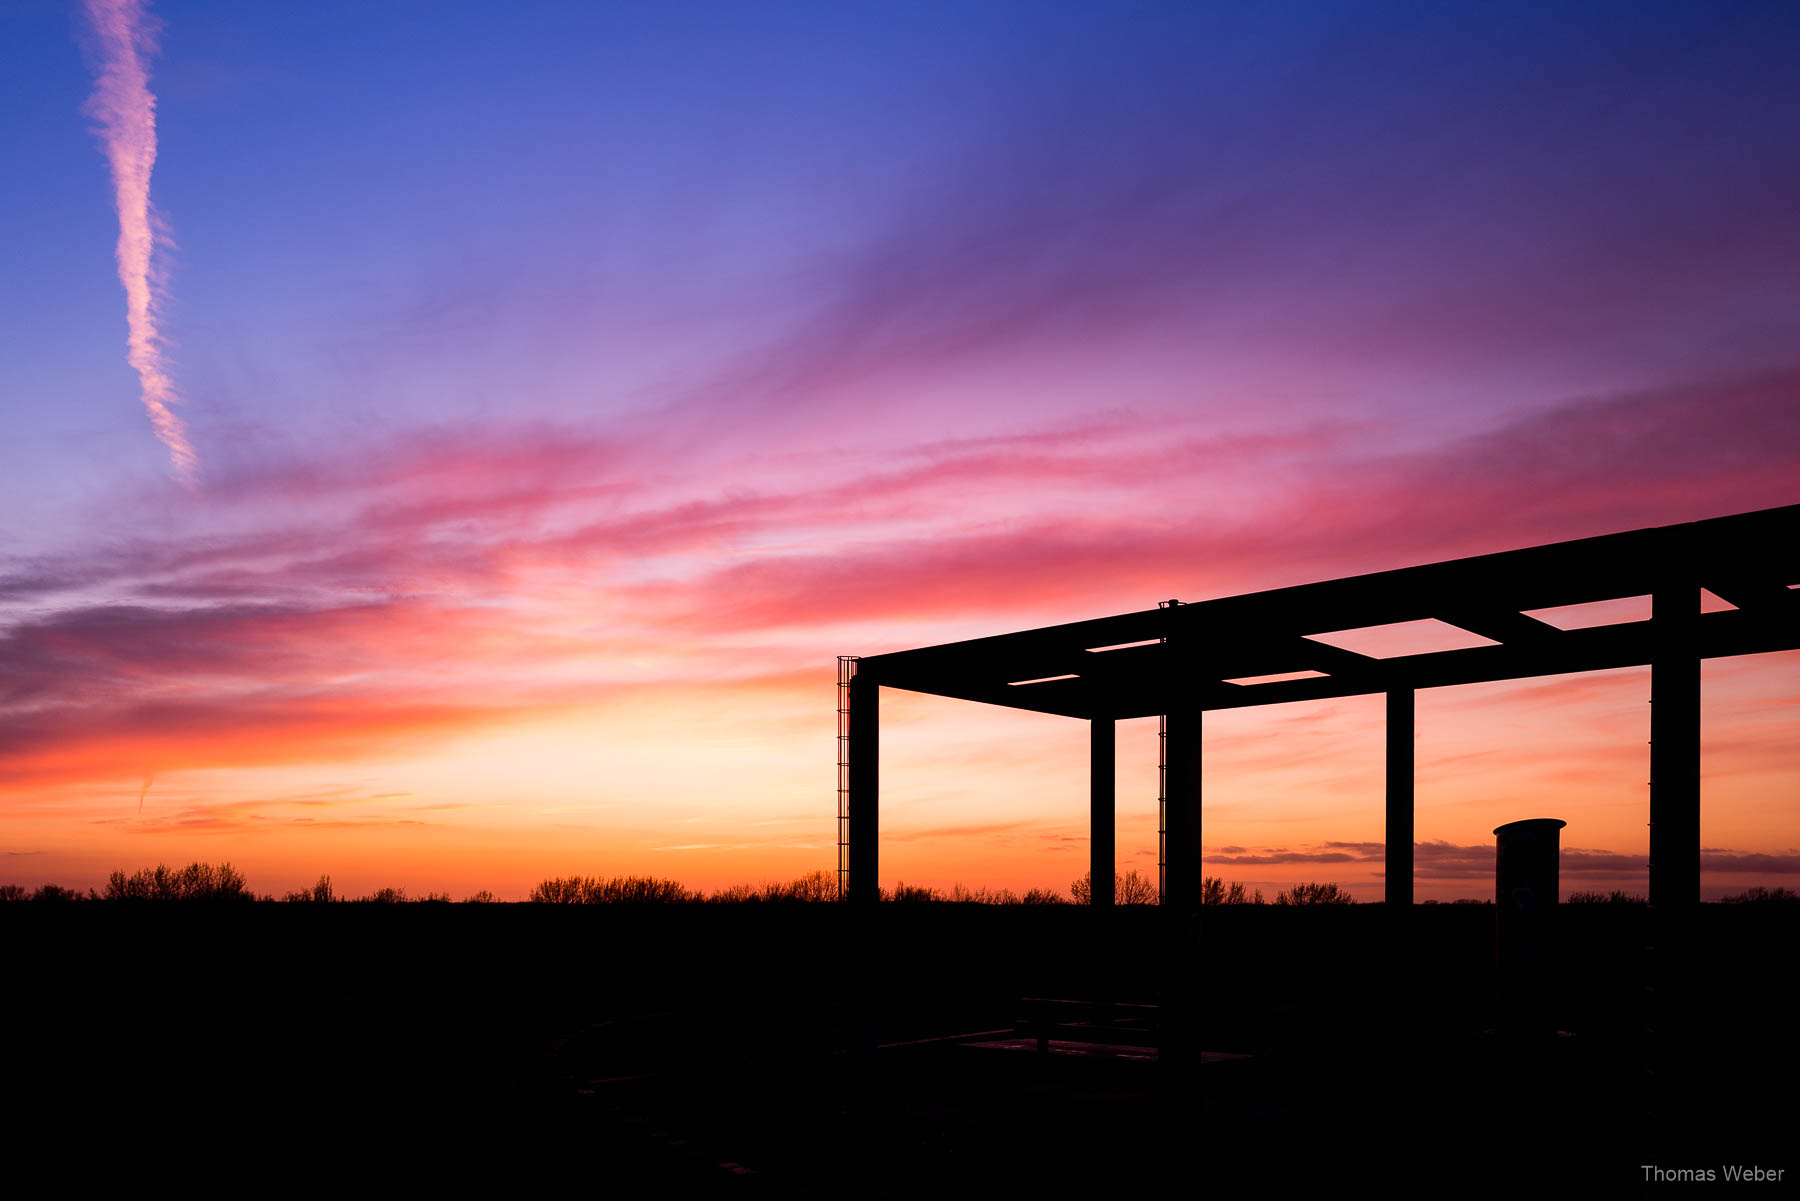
[{"x": 125, "y": 108}]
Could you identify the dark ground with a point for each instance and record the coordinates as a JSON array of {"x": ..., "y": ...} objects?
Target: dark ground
[{"x": 457, "y": 1043}]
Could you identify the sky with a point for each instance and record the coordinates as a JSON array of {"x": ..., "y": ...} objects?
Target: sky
[{"x": 496, "y": 420}]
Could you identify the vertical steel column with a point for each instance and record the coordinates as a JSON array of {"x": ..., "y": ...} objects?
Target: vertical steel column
[
  {"x": 846, "y": 673},
  {"x": 1675, "y": 746},
  {"x": 1162, "y": 807},
  {"x": 1181, "y": 748},
  {"x": 864, "y": 755},
  {"x": 1399, "y": 866},
  {"x": 1162, "y": 782},
  {"x": 1102, "y": 752}
]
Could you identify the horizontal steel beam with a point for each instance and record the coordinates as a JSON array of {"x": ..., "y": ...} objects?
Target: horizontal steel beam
[
  {"x": 1746, "y": 559},
  {"x": 1152, "y": 691}
]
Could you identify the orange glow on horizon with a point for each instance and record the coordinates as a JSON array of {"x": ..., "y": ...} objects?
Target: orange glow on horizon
[{"x": 972, "y": 795}]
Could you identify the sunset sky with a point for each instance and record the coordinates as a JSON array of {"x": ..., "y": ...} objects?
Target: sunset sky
[{"x": 531, "y": 401}]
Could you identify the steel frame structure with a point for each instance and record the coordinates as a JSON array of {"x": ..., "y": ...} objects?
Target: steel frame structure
[{"x": 1179, "y": 661}]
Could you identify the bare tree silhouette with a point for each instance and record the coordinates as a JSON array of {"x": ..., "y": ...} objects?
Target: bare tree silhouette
[
  {"x": 1132, "y": 888},
  {"x": 195, "y": 882},
  {"x": 1315, "y": 894},
  {"x": 1215, "y": 891}
]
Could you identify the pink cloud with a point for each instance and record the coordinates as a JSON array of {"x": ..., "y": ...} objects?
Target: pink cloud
[{"x": 478, "y": 564}]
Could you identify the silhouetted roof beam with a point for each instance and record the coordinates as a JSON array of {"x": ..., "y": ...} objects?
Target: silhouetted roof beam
[
  {"x": 1748, "y": 560},
  {"x": 1757, "y": 595},
  {"x": 1502, "y": 625}
]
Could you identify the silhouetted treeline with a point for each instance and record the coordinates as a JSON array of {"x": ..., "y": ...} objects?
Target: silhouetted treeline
[
  {"x": 206, "y": 882},
  {"x": 1617, "y": 896},
  {"x": 319, "y": 892},
  {"x": 1315, "y": 894},
  {"x": 1765, "y": 896},
  {"x": 1215, "y": 890},
  {"x": 195, "y": 882},
  {"x": 959, "y": 894},
  {"x": 322, "y": 893},
  {"x": 46, "y": 893},
  {"x": 620, "y": 890},
  {"x": 814, "y": 886}
]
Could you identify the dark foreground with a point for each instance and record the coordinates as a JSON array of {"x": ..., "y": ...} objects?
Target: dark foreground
[{"x": 526, "y": 1044}]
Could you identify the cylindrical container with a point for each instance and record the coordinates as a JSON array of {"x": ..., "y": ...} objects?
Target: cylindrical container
[{"x": 1525, "y": 874}]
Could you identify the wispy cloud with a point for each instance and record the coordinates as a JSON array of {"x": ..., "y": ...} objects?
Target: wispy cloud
[{"x": 125, "y": 108}]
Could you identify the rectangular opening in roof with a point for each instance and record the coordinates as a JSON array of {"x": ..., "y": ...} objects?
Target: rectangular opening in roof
[
  {"x": 1278, "y": 677},
  {"x": 1595, "y": 613},
  {"x": 1616, "y": 612},
  {"x": 1122, "y": 646},
  {"x": 1044, "y": 680},
  {"x": 1421, "y": 637}
]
